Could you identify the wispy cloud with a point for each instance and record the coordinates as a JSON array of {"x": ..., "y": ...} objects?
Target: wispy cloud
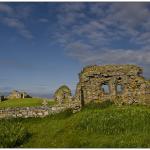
[
  {"x": 119, "y": 56},
  {"x": 91, "y": 31},
  {"x": 4, "y": 8},
  {"x": 13, "y": 18}
]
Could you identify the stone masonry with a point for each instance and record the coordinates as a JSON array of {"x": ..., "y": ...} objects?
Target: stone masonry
[
  {"x": 17, "y": 94},
  {"x": 26, "y": 112},
  {"x": 122, "y": 84},
  {"x": 63, "y": 98},
  {"x": 62, "y": 94}
]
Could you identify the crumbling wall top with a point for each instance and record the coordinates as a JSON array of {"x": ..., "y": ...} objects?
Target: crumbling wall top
[
  {"x": 63, "y": 88},
  {"x": 111, "y": 70}
]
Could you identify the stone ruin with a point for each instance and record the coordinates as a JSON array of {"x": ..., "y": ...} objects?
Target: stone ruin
[
  {"x": 62, "y": 94},
  {"x": 121, "y": 84},
  {"x": 17, "y": 94},
  {"x": 64, "y": 99}
]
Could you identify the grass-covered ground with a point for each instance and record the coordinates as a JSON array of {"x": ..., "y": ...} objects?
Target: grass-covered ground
[
  {"x": 26, "y": 102},
  {"x": 102, "y": 125}
]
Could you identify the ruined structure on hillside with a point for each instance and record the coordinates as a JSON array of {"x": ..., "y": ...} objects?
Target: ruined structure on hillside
[
  {"x": 122, "y": 84},
  {"x": 62, "y": 94},
  {"x": 17, "y": 94}
]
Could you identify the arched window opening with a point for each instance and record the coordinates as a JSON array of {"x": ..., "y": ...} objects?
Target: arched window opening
[
  {"x": 105, "y": 88},
  {"x": 119, "y": 88},
  {"x": 64, "y": 95}
]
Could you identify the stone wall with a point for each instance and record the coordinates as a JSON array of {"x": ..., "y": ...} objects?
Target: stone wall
[
  {"x": 62, "y": 94},
  {"x": 16, "y": 94},
  {"x": 26, "y": 112},
  {"x": 125, "y": 84}
]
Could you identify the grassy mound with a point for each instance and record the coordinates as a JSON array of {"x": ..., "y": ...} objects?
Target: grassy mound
[
  {"x": 103, "y": 125},
  {"x": 26, "y": 102}
]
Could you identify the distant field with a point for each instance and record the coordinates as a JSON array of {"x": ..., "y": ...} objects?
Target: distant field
[
  {"x": 26, "y": 102},
  {"x": 95, "y": 126}
]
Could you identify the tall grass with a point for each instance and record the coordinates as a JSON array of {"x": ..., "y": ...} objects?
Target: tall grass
[
  {"x": 12, "y": 134},
  {"x": 114, "y": 121},
  {"x": 97, "y": 125}
]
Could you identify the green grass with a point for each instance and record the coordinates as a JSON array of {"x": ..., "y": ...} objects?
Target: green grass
[
  {"x": 26, "y": 102},
  {"x": 12, "y": 135},
  {"x": 100, "y": 125}
]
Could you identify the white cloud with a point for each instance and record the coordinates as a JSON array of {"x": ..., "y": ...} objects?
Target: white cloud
[
  {"x": 112, "y": 56},
  {"x": 89, "y": 33},
  {"x": 19, "y": 25},
  {"x": 129, "y": 18},
  {"x": 14, "y": 19},
  {"x": 4, "y": 8},
  {"x": 71, "y": 7},
  {"x": 13, "y": 22}
]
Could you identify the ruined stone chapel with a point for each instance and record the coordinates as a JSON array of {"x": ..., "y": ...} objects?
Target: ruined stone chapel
[{"x": 123, "y": 84}]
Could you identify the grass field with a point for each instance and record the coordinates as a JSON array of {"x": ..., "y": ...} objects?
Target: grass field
[
  {"x": 102, "y": 125},
  {"x": 26, "y": 102}
]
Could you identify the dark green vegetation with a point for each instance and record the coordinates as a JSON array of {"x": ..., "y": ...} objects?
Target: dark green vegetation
[
  {"x": 12, "y": 134},
  {"x": 26, "y": 102},
  {"x": 97, "y": 125}
]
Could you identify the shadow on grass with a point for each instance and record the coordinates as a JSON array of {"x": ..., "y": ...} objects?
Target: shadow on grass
[{"x": 101, "y": 105}]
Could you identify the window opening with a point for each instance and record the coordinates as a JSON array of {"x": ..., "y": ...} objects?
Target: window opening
[{"x": 105, "y": 88}]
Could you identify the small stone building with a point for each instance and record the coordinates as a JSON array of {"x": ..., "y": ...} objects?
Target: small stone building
[
  {"x": 16, "y": 94},
  {"x": 123, "y": 84},
  {"x": 62, "y": 94}
]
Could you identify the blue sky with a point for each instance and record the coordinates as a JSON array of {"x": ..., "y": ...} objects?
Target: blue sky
[{"x": 45, "y": 45}]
